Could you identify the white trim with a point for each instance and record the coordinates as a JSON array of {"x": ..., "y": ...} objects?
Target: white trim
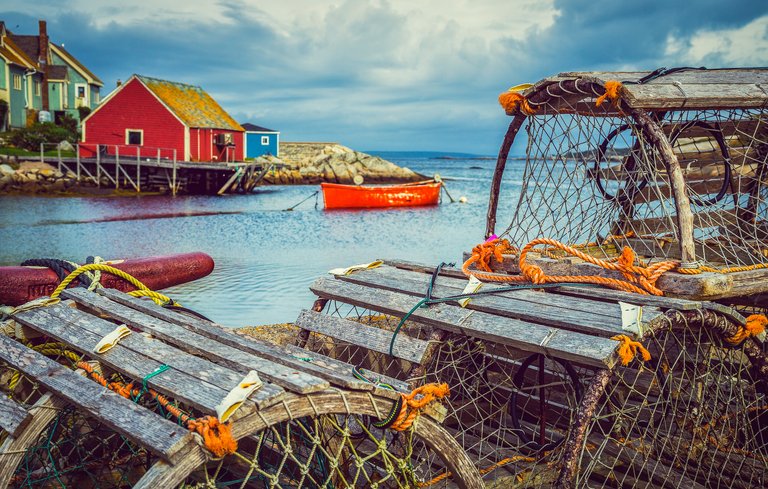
[
  {"x": 87, "y": 95},
  {"x": 263, "y": 139},
  {"x": 140, "y": 131},
  {"x": 158, "y": 99},
  {"x": 15, "y": 77},
  {"x": 277, "y": 151},
  {"x": 245, "y": 145},
  {"x": 187, "y": 155},
  {"x": 74, "y": 65}
]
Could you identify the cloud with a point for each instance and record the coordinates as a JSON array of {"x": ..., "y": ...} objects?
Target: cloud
[{"x": 397, "y": 74}]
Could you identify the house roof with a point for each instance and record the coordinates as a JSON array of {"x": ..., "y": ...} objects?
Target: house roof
[
  {"x": 78, "y": 65},
  {"x": 14, "y": 54},
  {"x": 29, "y": 44},
  {"x": 57, "y": 72},
  {"x": 190, "y": 103},
  {"x": 254, "y": 128}
]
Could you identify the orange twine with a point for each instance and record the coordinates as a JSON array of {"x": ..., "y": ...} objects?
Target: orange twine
[
  {"x": 512, "y": 101},
  {"x": 217, "y": 436},
  {"x": 638, "y": 279},
  {"x": 612, "y": 88},
  {"x": 629, "y": 349},
  {"x": 411, "y": 407}
]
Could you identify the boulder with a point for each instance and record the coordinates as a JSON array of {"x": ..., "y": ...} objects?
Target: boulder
[
  {"x": 65, "y": 146},
  {"x": 6, "y": 170}
]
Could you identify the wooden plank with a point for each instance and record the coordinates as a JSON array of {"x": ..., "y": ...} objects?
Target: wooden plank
[
  {"x": 155, "y": 351},
  {"x": 64, "y": 324},
  {"x": 661, "y": 225},
  {"x": 157, "y": 434},
  {"x": 196, "y": 344},
  {"x": 734, "y": 127},
  {"x": 244, "y": 343},
  {"x": 375, "y": 339},
  {"x": 13, "y": 417},
  {"x": 566, "y": 312},
  {"x": 524, "y": 335},
  {"x": 719, "y": 253}
]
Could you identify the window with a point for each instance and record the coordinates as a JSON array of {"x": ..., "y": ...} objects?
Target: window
[
  {"x": 16, "y": 81},
  {"x": 265, "y": 140},
  {"x": 37, "y": 88},
  {"x": 80, "y": 91},
  {"x": 134, "y": 137}
]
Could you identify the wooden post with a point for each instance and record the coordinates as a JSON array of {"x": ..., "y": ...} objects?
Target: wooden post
[
  {"x": 77, "y": 156},
  {"x": 42, "y": 151},
  {"x": 682, "y": 204},
  {"x": 158, "y": 156},
  {"x": 173, "y": 182},
  {"x": 138, "y": 169},
  {"x": 117, "y": 167},
  {"x": 501, "y": 162},
  {"x": 58, "y": 153},
  {"x": 98, "y": 165}
]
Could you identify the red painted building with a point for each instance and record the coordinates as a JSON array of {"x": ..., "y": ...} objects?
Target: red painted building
[{"x": 152, "y": 117}]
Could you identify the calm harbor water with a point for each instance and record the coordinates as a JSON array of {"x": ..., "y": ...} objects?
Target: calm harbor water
[{"x": 265, "y": 257}]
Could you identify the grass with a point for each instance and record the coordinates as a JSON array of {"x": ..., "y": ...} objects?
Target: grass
[{"x": 24, "y": 152}]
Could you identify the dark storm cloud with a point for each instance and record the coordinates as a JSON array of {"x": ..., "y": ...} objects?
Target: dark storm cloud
[{"x": 374, "y": 74}]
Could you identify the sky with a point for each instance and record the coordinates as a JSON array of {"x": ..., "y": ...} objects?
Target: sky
[{"x": 398, "y": 75}]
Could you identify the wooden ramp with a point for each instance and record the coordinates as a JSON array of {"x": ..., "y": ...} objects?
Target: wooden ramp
[
  {"x": 192, "y": 364},
  {"x": 539, "y": 395}
]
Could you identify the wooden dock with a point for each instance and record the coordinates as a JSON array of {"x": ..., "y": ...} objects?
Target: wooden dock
[{"x": 160, "y": 173}]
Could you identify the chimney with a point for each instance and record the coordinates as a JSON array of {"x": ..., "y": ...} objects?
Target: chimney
[{"x": 42, "y": 60}]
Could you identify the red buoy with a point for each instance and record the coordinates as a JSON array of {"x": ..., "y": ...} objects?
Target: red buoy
[{"x": 23, "y": 284}]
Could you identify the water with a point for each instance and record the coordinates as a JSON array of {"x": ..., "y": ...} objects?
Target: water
[{"x": 265, "y": 258}]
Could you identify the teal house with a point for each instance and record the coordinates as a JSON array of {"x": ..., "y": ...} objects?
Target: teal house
[
  {"x": 260, "y": 141},
  {"x": 38, "y": 75}
]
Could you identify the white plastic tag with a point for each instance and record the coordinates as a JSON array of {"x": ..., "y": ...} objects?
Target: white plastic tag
[
  {"x": 111, "y": 339},
  {"x": 355, "y": 268},
  {"x": 632, "y": 318},
  {"x": 237, "y": 396},
  {"x": 472, "y": 286}
]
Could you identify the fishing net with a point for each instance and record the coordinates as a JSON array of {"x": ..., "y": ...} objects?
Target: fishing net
[
  {"x": 693, "y": 416},
  {"x": 596, "y": 176}
]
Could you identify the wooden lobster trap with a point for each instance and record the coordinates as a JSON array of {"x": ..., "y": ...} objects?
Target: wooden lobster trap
[
  {"x": 671, "y": 164},
  {"x": 311, "y": 424}
]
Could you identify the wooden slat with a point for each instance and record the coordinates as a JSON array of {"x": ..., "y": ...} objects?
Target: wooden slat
[
  {"x": 738, "y": 127},
  {"x": 567, "y": 312},
  {"x": 144, "y": 427},
  {"x": 375, "y": 339},
  {"x": 202, "y": 374},
  {"x": 13, "y": 417},
  {"x": 718, "y": 253},
  {"x": 524, "y": 335},
  {"x": 64, "y": 324},
  {"x": 267, "y": 352},
  {"x": 196, "y": 344}
]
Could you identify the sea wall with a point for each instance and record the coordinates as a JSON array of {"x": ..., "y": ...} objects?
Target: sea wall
[
  {"x": 312, "y": 163},
  {"x": 33, "y": 177}
]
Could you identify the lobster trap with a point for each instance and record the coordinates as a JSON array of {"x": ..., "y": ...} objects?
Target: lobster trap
[
  {"x": 129, "y": 416},
  {"x": 541, "y": 395},
  {"x": 671, "y": 164}
]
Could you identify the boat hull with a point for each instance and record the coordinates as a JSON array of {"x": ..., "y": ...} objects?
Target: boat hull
[
  {"x": 339, "y": 196},
  {"x": 23, "y": 284}
]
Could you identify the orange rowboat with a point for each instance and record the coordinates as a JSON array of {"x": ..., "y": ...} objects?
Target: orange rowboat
[{"x": 339, "y": 196}]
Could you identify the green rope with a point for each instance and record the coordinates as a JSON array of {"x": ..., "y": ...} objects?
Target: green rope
[
  {"x": 144, "y": 387},
  {"x": 359, "y": 374},
  {"x": 428, "y": 300}
]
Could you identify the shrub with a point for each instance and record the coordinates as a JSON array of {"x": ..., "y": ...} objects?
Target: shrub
[{"x": 41, "y": 132}]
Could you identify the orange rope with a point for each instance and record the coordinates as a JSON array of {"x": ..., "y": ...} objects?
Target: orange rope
[
  {"x": 216, "y": 435},
  {"x": 411, "y": 407},
  {"x": 512, "y": 101},
  {"x": 629, "y": 349},
  {"x": 612, "y": 88},
  {"x": 638, "y": 279},
  {"x": 756, "y": 324}
]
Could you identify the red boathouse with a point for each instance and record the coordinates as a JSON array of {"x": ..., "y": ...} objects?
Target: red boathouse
[{"x": 157, "y": 118}]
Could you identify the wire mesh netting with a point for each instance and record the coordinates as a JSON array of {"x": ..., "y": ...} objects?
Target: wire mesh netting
[
  {"x": 694, "y": 416},
  {"x": 598, "y": 178}
]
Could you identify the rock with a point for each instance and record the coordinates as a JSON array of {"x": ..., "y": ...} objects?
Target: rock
[
  {"x": 65, "y": 146},
  {"x": 35, "y": 165},
  {"x": 341, "y": 170},
  {"x": 6, "y": 170}
]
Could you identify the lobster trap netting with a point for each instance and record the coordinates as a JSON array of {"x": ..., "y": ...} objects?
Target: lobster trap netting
[
  {"x": 695, "y": 415},
  {"x": 599, "y": 178}
]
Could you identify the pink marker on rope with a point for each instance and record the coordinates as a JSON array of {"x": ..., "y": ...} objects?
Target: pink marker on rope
[{"x": 491, "y": 238}]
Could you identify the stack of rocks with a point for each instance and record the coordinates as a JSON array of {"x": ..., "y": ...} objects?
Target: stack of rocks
[{"x": 34, "y": 177}]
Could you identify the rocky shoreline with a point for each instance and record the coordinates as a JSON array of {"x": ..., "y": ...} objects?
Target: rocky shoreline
[
  {"x": 312, "y": 163},
  {"x": 34, "y": 177}
]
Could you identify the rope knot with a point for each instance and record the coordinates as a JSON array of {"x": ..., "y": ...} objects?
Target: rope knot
[
  {"x": 628, "y": 349},
  {"x": 534, "y": 273},
  {"x": 411, "y": 407},
  {"x": 756, "y": 324},
  {"x": 217, "y": 436},
  {"x": 495, "y": 248},
  {"x": 514, "y": 101},
  {"x": 612, "y": 89}
]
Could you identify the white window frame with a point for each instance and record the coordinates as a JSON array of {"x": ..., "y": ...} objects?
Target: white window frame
[
  {"x": 84, "y": 98},
  {"x": 38, "y": 88},
  {"x": 265, "y": 140},
  {"x": 140, "y": 131},
  {"x": 16, "y": 81}
]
